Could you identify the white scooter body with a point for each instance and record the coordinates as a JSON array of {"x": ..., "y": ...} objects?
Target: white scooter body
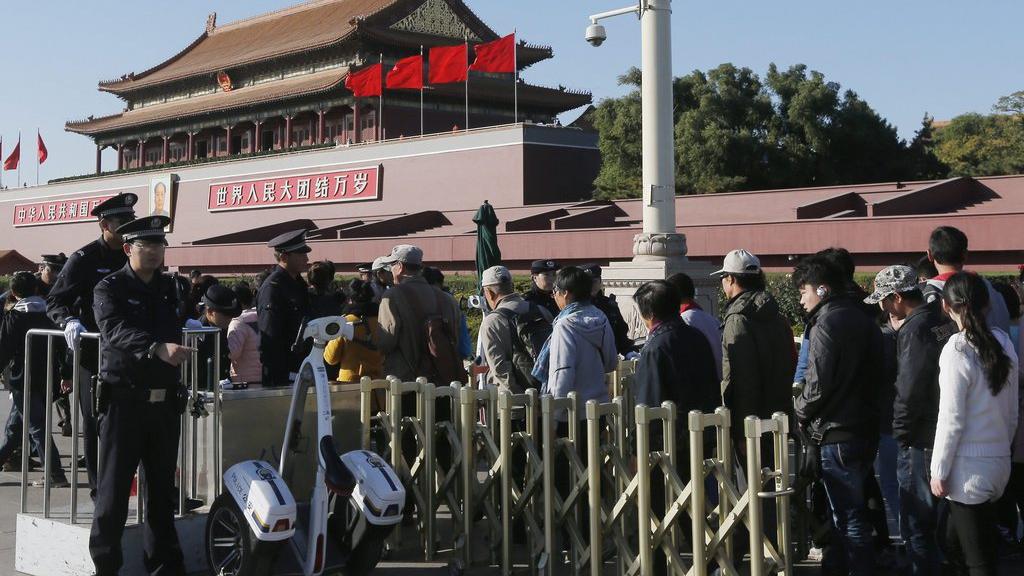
[{"x": 369, "y": 482}]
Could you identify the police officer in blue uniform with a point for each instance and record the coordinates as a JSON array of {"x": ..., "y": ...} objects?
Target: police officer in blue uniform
[
  {"x": 540, "y": 293},
  {"x": 281, "y": 305},
  {"x": 139, "y": 400},
  {"x": 69, "y": 304}
]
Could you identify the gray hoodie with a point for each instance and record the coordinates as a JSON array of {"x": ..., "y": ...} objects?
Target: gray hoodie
[{"x": 582, "y": 351}]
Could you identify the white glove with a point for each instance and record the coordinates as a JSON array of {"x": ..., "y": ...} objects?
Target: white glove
[
  {"x": 193, "y": 324},
  {"x": 73, "y": 331},
  {"x": 633, "y": 356}
]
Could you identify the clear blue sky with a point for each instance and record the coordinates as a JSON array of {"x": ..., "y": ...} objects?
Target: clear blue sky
[{"x": 904, "y": 57}]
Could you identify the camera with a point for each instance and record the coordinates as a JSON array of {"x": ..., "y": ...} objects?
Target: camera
[{"x": 596, "y": 34}]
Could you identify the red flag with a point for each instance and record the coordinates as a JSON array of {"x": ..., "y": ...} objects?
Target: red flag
[
  {"x": 42, "y": 148},
  {"x": 407, "y": 73},
  {"x": 448, "y": 64},
  {"x": 12, "y": 161},
  {"x": 366, "y": 82},
  {"x": 497, "y": 57}
]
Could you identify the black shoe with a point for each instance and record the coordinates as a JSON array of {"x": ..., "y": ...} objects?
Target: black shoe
[
  {"x": 55, "y": 482},
  {"x": 65, "y": 431}
]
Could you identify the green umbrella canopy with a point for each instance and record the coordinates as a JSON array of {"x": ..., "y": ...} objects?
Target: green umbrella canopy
[{"x": 487, "y": 252}]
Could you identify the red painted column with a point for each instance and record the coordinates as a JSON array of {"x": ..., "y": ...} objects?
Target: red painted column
[
  {"x": 256, "y": 136},
  {"x": 99, "y": 158},
  {"x": 355, "y": 123},
  {"x": 320, "y": 126},
  {"x": 142, "y": 159},
  {"x": 165, "y": 153},
  {"x": 227, "y": 132},
  {"x": 189, "y": 152},
  {"x": 287, "y": 132},
  {"x": 120, "y": 156}
]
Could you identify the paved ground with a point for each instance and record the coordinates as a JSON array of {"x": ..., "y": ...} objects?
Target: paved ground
[{"x": 407, "y": 561}]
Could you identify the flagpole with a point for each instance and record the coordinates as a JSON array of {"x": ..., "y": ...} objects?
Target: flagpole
[
  {"x": 381, "y": 115},
  {"x": 421, "y": 90},
  {"x": 1, "y": 162},
  {"x": 467, "y": 83},
  {"x": 19, "y": 158},
  {"x": 37, "y": 155},
  {"x": 515, "y": 74}
]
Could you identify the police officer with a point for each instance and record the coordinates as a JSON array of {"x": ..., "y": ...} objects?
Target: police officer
[
  {"x": 139, "y": 400},
  {"x": 624, "y": 345},
  {"x": 543, "y": 272},
  {"x": 69, "y": 304},
  {"x": 49, "y": 270},
  {"x": 282, "y": 303},
  {"x": 365, "y": 271}
]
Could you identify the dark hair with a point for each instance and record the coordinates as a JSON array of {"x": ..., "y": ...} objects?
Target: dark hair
[
  {"x": 750, "y": 282},
  {"x": 320, "y": 275},
  {"x": 574, "y": 281},
  {"x": 24, "y": 284},
  {"x": 244, "y": 295},
  {"x": 817, "y": 270},
  {"x": 360, "y": 299},
  {"x": 925, "y": 268},
  {"x": 199, "y": 290},
  {"x": 967, "y": 295},
  {"x": 1011, "y": 298},
  {"x": 195, "y": 273},
  {"x": 658, "y": 299},
  {"x": 914, "y": 295},
  {"x": 433, "y": 276},
  {"x": 841, "y": 259},
  {"x": 948, "y": 245},
  {"x": 684, "y": 284}
]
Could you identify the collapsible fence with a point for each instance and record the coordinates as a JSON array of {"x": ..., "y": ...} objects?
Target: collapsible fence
[{"x": 544, "y": 500}]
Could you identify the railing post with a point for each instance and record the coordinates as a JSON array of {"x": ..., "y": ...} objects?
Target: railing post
[
  {"x": 724, "y": 447},
  {"x": 505, "y": 417},
  {"x": 428, "y": 410},
  {"x": 781, "y": 437},
  {"x": 594, "y": 485},
  {"x": 548, "y": 461},
  {"x": 695, "y": 421},
  {"x": 643, "y": 472},
  {"x": 752, "y": 431}
]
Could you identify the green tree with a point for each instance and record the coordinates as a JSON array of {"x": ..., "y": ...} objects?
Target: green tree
[
  {"x": 924, "y": 164},
  {"x": 982, "y": 145},
  {"x": 618, "y": 126}
]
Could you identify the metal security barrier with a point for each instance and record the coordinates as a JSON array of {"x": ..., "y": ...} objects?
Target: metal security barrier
[
  {"x": 780, "y": 558},
  {"x": 609, "y": 471},
  {"x": 375, "y": 422},
  {"x": 480, "y": 450},
  {"x": 563, "y": 512},
  {"x": 438, "y": 483},
  {"x": 520, "y": 488},
  {"x": 188, "y": 448}
]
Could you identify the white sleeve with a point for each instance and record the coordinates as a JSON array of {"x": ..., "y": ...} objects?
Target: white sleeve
[{"x": 954, "y": 379}]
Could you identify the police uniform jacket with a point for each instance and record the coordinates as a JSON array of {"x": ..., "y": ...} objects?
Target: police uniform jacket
[
  {"x": 134, "y": 316},
  {"x": 541, "y": 298},
  {"x": 607, "y": 304},
  {"x": 72, "y": 293},
  {"x": 282, "y": 302}
]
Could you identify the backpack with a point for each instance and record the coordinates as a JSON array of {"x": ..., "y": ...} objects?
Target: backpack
[
  {"x": 439, "y": 360},
  {"x": 529, "y": 330}
]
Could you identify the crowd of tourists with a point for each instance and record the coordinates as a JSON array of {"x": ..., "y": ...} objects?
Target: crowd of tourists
[{"x": 905, "y": 399}]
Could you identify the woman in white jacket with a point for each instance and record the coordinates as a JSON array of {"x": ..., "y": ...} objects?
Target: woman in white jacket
[{"x": 977, "y": 420}]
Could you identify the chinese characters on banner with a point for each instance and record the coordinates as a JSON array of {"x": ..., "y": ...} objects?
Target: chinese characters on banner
[
  {"x": 326, "y": 187},
  {"x": 47, "y": 212}
]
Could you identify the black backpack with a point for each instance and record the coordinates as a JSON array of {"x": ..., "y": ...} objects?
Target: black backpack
[{"x": 530, "y": 330}]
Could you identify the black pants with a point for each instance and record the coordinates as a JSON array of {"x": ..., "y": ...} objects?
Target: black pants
[
  {"x": 972, "y": 538},
  {"x": 1011, "y": 506},
  {"x": 132, "y": 431},
  {"x": 89, "y": 429}
]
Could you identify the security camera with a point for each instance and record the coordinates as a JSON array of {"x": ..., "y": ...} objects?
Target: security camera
[{"x": 596, "y": 34}]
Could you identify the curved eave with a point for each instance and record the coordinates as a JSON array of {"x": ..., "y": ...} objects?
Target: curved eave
[
  {"x": 124, "y": 85},
  {"x": 218, "y": 102}
]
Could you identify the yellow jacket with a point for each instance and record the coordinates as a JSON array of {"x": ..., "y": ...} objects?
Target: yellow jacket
[{"x": 356, "y": 358}]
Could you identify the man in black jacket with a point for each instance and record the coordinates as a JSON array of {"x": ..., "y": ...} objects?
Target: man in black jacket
[
  {"x": 282, "y": 303},
  {"x": 923, "y": 332},
  {"x": 837, "y": 408},
  {"x": 140, "y": 400},
  {"x": 28, "y": 313},
  {"x": 624, "y": 345}
]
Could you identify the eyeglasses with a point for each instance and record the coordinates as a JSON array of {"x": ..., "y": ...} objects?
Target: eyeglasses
[{"x": 150, "y": 246}]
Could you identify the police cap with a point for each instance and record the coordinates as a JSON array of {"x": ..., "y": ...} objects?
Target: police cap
[
  {"x": 294, "y": 241},
  {"x": 145, "y": 228},
  {"x": 122, "y": 205},
  {"x": 55, "y": 261},
  {"x": 541, "y": 266},
  {"x": 593, "y": 269},
  {"x": 365, "y": 268}
]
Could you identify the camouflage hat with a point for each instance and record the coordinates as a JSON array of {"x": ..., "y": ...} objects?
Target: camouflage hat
[{"x": 892, "y": 280}]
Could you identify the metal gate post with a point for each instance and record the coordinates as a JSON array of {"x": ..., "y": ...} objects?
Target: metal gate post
[
  {"x": 781, "y": 438},
  {"x": 548, "y": 460},
  {"x": 698, "y": 498},
  {"x": 752, "y": 431},
  {"x": 724, "y": 456},
  {"x": 428, "y": 413},
  {"x": 643, "y": 472},
  {"x": 594, "y": 485}
]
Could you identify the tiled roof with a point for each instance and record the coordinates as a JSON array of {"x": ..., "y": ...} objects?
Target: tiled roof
[{"x": 215, "y": 102}]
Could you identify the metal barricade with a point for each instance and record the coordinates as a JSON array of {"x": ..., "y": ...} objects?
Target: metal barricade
[
  {"x": 518, "y": 417},
  {"x": 188, "y": 448},
  {"x": 26, "y": 446},
  {"x": 374, "y": 422},
  {"x": 609, "y": 471},
  {"x": 760, "y": 545},
  {"x": 479, "y": 448},
  {"x": 439, "y": 484},
  {"x": 715, "y": 545},
  {"x": 408, "y": 471}
]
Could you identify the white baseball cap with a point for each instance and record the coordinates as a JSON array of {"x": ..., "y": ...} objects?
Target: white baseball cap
[
  {"x": 495, "y": 275},
  {"x": 739, "y": 262}
]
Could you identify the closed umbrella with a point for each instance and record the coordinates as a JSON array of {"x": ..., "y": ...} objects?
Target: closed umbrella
[{"x": 487, "y": 252}]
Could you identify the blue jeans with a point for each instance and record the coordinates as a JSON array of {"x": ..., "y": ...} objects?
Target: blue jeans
[
  {"x": 844, "y": 470},
  {"x": 36, "y": 430},
  {"x": 888, "y": 479},
  {"x": 918, "y": 509}
]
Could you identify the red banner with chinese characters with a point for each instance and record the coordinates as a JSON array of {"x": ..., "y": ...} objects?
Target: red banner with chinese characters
[
  {"x": 47, "y": 212},
  {"x": 321, "y": 188}
]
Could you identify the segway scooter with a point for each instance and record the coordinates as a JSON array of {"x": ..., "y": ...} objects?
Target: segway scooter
[{"x": 356, "y": 498}]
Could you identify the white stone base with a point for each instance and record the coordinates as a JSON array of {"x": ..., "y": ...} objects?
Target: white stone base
[
  {"x": 623, "y": 278},
  {"x": 53, "y": 547}
]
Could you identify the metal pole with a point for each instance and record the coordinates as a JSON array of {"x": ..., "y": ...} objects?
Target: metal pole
[
  {"x": 182, "y": 443},
  {"x": 594, "y": 486},
  {"x": 548, "y": 461},
  {"x": 643, "y": 493},
  {"x": 505, "y": 408},
  {"x": 697, "y": 495},
  {"x": 657, "y": 128},
  {"x": 515, "y": 75},
  {"x": 467, "y": 398},
  {"x": 428, "y": 409},
  {"x": 218, "y": 436},
  {"x": 752, "y": 430},
  {"x": 421, "y": 90},
  {"x": 782, "y": 486},
  {"x": 193, "y": 422},
  {"x": 725, "y": 456},
  {"x": 47, "y": 425},
  {"x": 76, "y": 375},
  {"x": 25, "y": 413},
  {"x": 467, "y": 83}
]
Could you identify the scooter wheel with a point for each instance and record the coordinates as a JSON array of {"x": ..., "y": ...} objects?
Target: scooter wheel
[
  {"x": 368, "y": 552},
  {"x": 231, "y": 548}
]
